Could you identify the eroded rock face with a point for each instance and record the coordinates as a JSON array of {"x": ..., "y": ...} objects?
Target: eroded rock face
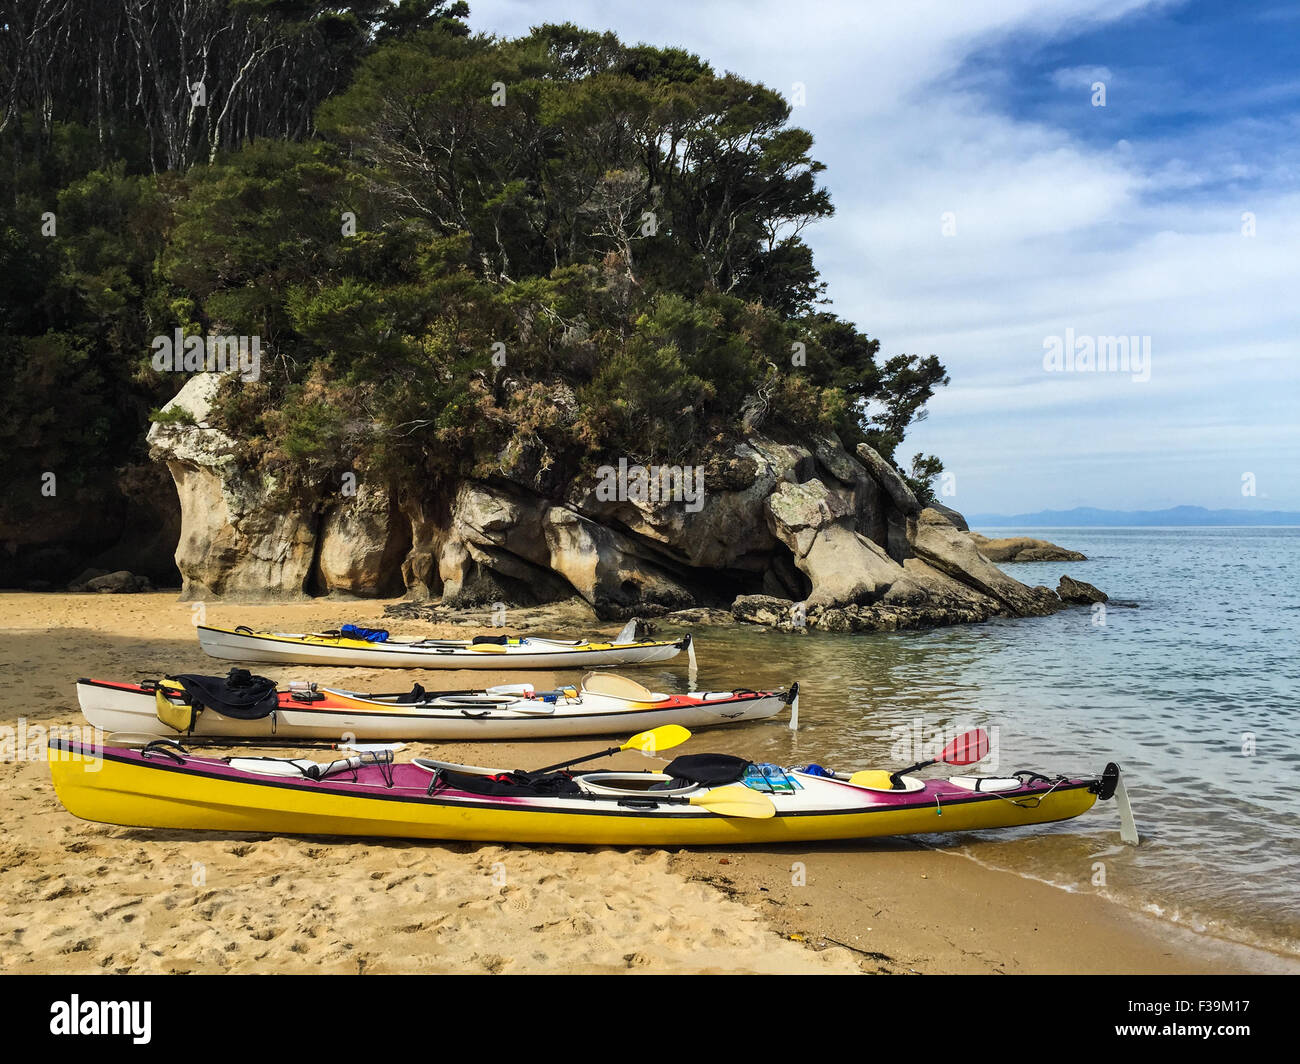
[
  {"x": 783, "y": 534},
  {"x": 818, "y": 526},
  {"x": 362, "y": 544},
  {"x": 420, "y": 571},
  {"x": 728, "y": 530},
  {"x": 236, "y": 542},
  {"x": 510, "y": 546},
  {"x": 890, "y": 480},
  {"x": 955, "y": 554},
  {"x": 231, "y": 542}
]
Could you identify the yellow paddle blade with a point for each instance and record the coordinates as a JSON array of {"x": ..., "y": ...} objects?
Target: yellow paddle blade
[
  {"x": 662, "y": 738},
  {"x": 877, "y": 779},
  {"x": 488, "y": 648},
  {"x": 736, "y": 801}
]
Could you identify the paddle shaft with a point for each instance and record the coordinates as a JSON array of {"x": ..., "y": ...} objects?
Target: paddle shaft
[
  {"x": 664, "y": 737},
  {"x": 576, "y": 761},
  {"x": 896, "y": 776}
]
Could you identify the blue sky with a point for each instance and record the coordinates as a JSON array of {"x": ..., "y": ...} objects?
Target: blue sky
[{"x": 1065, "y": 218}]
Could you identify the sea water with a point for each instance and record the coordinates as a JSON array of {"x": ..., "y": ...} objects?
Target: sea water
[{"x": 1189, "y": 679}]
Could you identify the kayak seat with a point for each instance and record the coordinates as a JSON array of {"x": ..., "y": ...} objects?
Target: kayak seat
[
  {"x": 883, "y": 782},
  {"x": 415, "y": 694},
  {"x": 614, "y": 686},
  {"x": 708, "y": 770},
  {"x": 985, "y": 784},
  {"x": 633, "y": 783}
]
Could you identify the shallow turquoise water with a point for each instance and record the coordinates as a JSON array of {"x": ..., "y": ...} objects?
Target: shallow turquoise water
[{"x": 1194, "y": 690}]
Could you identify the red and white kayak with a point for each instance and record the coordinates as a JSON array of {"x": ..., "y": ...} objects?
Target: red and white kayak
[{"x": 604, "y": 704}]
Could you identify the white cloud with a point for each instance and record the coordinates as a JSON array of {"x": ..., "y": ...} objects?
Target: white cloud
[
  {"x": 1081, "y": 77},
  {"x": 1051, "y": 233}
]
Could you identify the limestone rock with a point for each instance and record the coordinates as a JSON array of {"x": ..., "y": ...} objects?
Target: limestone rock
[
  {"x": 890, "y": 479},
  {"x": 505, "y": 544},
  {"x": 728, "y": 529},
  {"x": 774, "y": 531},
  {"x": 231, "y": 541},
  {"x": 420, "y": 574},
  {"x": 769, "y": 611},
  {"x": 121, "y": 582},
  {"x": 1024, "y": 549},
  {"x": 363, "y": 540},
  {"x": 954, "y": 518},
  {"x": 884, "y": 618},
  {"x": 817, "y": 525},
  {"x": 79, "y": 582},
  {"x": 832, "y": 457},
  {"x": 608, "y": 570},
  {"x": 494, "y": 551},
  {"x": 954, "y": 553}
]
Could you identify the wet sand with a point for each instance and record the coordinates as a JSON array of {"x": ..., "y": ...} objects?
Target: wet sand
[{"x": 82, "y": 897}]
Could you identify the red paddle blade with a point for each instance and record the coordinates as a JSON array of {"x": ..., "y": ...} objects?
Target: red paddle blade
[{"x": 967, "y": 748}]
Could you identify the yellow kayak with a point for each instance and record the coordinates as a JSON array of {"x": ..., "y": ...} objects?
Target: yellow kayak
[{"x": 164, "y": 786}]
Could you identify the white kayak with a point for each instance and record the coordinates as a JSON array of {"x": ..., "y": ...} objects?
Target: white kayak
[
  {"x": 503, "y": 652},
  {"x": 604, "y": 704}
]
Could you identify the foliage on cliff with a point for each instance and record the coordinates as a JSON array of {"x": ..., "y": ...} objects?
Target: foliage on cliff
[{"x": 460, "y": 254}]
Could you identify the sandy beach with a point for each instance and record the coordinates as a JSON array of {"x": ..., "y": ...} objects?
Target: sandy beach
[{"x": 85, "y": 898}]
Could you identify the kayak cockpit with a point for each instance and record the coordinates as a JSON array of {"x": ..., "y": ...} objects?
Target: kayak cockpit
[{"x": 622, "y": 783}]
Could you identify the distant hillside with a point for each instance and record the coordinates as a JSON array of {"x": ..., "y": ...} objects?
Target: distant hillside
[{"x": 1091, "y": 517}]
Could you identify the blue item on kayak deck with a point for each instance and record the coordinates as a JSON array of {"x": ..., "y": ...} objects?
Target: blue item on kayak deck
[
  {"x": 771, "y": 779},
  {"x": 370, "y": 635},
  {"x": 817, "y": 770}
]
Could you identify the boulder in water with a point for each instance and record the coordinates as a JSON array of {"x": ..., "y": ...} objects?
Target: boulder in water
[{"x": 1077, "y": 591}]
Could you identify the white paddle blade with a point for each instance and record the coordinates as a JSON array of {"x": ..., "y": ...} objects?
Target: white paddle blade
[{"x": 521, "y": 690}]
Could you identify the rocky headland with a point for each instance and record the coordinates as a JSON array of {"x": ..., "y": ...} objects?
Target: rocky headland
[{"x": 785, "y": 534}]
